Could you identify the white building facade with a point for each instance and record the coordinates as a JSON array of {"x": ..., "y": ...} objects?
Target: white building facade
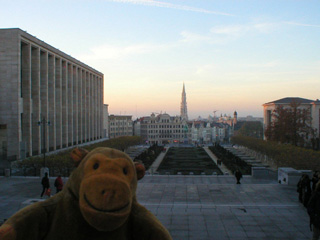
[
  {"x": 48, "y": 100},
  {"x": 312, "y": 105},
  {"x": 162, "y": 129}
]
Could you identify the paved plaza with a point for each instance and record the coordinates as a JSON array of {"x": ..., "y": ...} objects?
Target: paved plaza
[{"x": 198, "y": 207}]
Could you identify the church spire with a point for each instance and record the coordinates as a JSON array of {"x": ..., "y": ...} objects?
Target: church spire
[{"x": 183, "y": 106}]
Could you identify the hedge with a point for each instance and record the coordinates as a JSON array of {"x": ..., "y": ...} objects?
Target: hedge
[
  {"x": 282, "y": 155},
  {"x": 60, "y": 163}
]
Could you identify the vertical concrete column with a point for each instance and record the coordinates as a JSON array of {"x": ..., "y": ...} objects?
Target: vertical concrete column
[
  {"x": 26, "y": 129},
  {"x": 94, "y": 82},
  {"x": 79, "y": 105},
  {"x": 102, "y": 120},
  {"x": 36, "y": 102},
  {"x": 52, "y": 101},
  {"x": 64, "y": 104},
  {"x": 89, "y": 107},
  {"x": 75, "y": 105},
  {"x": 98, "y": 107},
  {"x": 86, "y": 125},
  {"x": 70, "y": 104},
  {"x": 44, "y": 95},
  {"x": 58, "y": 100},
  {"x": 83, "y": 103}
]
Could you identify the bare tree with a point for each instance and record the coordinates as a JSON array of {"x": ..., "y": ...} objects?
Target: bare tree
[{"x": 290, "y": 125}]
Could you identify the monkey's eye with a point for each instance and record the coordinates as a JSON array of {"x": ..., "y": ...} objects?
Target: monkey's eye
[
  {"x": 125, "y": 171},
  {"x": 95, "y": 166}
]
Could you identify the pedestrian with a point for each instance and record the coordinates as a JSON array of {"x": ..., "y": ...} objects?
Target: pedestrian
[
  {"x": 238, "y": 176},
  {"x": 306, "y": 190},
  {"x": 58, "y": 183},
  {"x": 299, "y": 187},
  {"x": 314, "y": 180},
  {"x": 45, "y": 184},
  {"x": 314, "y": 212}
]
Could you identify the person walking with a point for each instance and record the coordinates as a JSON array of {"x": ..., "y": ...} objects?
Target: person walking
[
  {"x": 45, "y": 184},
  {"x": 58, "y": 183},
  {"x": 238, "y": 176},
  {"x": 313, "y": 208}
]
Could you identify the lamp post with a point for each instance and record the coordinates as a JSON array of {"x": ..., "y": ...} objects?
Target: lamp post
[{"x": 43, "y": 123}]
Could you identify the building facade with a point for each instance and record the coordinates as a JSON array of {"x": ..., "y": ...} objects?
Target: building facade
[
  {"x": 48, "y": 100},
  {"x": 203, "y": 132},
  {"x": 312, "y": 105},
  {"x": 162, "y": 129},
  {"x": 120, "y": 125}
]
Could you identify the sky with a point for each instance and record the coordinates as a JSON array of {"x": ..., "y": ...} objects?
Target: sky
[{"x": 231, "y": 55}]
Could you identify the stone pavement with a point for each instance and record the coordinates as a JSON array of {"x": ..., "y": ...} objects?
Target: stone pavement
[{"x": 199, "y": 207}]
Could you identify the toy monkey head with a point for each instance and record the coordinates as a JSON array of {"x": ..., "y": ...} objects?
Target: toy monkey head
[{"x": 105, "y": 183}]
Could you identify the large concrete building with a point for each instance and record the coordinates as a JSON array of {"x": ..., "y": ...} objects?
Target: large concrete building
[
  {"x": 120, "y": 125},
  {"x": 48, "y": 99}
]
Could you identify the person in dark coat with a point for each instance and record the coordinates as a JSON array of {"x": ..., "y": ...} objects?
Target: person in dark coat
[
  {"x": 58, "y": 183},
  {"x": 238, "y": 176},
  {"x": 45, "y": 184},
  {"x": 299, "y": 187},
  {"x": 304, "y": 189},
  {"x": 314, "y": 180},
  {"x": 313, "y": 208}
]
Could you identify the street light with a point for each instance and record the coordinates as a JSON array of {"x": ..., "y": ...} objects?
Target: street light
[{"x": 44, "y": 123}]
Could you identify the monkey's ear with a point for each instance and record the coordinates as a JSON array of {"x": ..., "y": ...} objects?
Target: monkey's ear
[
  {"x": 140, "y": 169},
  {"x": 77, "y": 155}
]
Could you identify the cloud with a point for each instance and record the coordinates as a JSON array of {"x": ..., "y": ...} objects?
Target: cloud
[
  {"x": 242, "y": 29},
  {"x": 302, "y": 24},
  {"x": 206, "y": 69},
  {"x": 225, "y": 33},
  {"x": 170, "y": 5},
  {"x": 108, "y": 51},
  {"x": 193, "y": 37}
]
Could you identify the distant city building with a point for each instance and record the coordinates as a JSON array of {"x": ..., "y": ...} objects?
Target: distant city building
[
  {"x": 228, "y": 119},
  {"x": 137, "y": 127},
  {"x": 48, "y": 99},
  {"x": 106, "y": 120},
  {"x": 120, "y": 125},
  {"x": 162, "y": 129},
  {"x": 250, "y": 118},
  {"x": 312, "y": 105},
  {"x": 203, "y": 132},
  {"x": 183, "y": 105}
]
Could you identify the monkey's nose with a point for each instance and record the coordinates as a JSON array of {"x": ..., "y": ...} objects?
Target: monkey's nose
[{"x": 105, "y": 194}]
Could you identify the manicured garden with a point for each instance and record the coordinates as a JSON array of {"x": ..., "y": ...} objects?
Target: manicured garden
[
  {"x": 231, "y": 161},
  {"x": 187, "y": 160},
  {"x": 149, "y": 156}
]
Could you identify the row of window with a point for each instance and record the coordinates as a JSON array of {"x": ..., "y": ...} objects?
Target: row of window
[
  {"x": 120, "y": 123},
  {"x": 112, "y": 129},
  {"x": 164, "y": 126},
  {"x": 165, "y": 131},
  {"x": 169, "y": 136}
]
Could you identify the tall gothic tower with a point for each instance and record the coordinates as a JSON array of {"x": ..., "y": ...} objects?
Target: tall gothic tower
[{"x": 183, "y": 106}]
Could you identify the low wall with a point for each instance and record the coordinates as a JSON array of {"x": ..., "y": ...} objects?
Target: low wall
[
  {"x": 291, "y": 176},
  {"x": 262, "y": 172}
]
